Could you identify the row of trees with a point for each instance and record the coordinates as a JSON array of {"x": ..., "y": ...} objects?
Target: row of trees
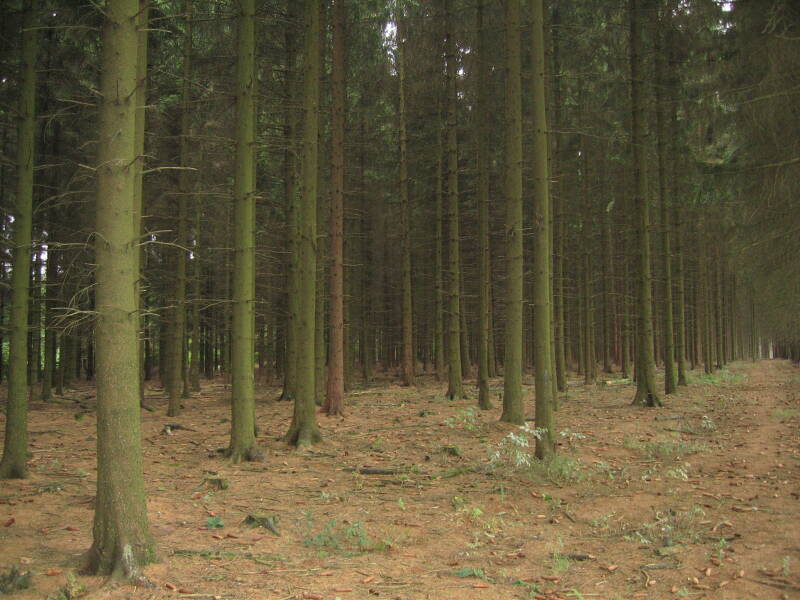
[{"x": 460, "y": 189}]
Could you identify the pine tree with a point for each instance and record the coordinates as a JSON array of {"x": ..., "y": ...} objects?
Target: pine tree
[
  {"x": 513, "y": 409},
  {"x": 121, "y": 538},
  {"x": 243, "y": 444},
  {"x": 15, "y": 448}
]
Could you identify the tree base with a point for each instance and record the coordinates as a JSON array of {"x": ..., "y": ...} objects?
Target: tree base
[
  {"x": 251, "y": 454},
  {"x": 12, "y": 469},
  {"x": 332, "y": 410},
  {"x": 302, "y": 436},
  {"x": 646, "y": 398},
  {"x": 121, "y": 562},
  {"x": 513, "y": 419},
  {"x": 484, "y": 402}
]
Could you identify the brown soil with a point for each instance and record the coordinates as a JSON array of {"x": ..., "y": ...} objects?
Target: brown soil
[{"x": 698, "y": 499}]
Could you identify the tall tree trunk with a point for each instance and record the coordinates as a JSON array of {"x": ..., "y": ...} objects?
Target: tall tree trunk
[
  {"x": 177, "y": 312},
  {"x": 513, "y": 409},
  {"x": 455, "y": 387},
  {"x": 557, "y": 201},
  {"x": 303, "y": 430},
  {"x": 243, "y": 443},
  {"x": 121, "y": 538},
  {"x": 196, "y": 333},
  {"x": 15, "y": 448},
  {"x": 543, "y": 374},
  {"x": 438, "y": 339},
  {"x": 587, "y": 285},
  {"x": 484, "y": 272},
  {"x": 646, "y": 392},
  {"x": 680, "y": 278},
  {"x": 334, "y": 398},
  {"x": 290, "y": 127},
  {"x": 407, "y": 364},
  {"x": 609, "y": 296},
  {"x": 367, "y": 221},
  {"x": 670, "y": 373},
  {"x": 142, "y": 24}
]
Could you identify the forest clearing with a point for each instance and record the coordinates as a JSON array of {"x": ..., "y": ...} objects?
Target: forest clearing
[{"x": 698, "y": 500}]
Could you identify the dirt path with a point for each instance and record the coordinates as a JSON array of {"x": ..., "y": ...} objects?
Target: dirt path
[{"x": 699, "y": 499}]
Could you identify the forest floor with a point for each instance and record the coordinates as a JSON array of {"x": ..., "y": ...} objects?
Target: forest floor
[{"x": 699, "y": 499}]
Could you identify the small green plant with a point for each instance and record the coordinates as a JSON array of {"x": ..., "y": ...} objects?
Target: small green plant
[
  {"x": 327, "y": 538},
  {"x": 629, "y": 443},
  {"x": 466, "y": 419},
  {"x": 451, "y": 450},
  {"x": 707, "y": 423},
  {"x": 665, "y": 449},
  {"x": 719, "y": 548},
  {"x": 559, "y": 469},
  {"x": 14, "y": 580},
  {"x": 72, "y": 589},
  {"x": 214, "y": 523},
  {"x": 671, "y": 527},
  {"x": 531, "y": 588},
  {"x": 561, "y": 562},
  {"x": 678, "y": 473},
  {"x": 401, "y": 504},
  {"x": 571, "y": 436},
  {"x": 602, "y": 522},
  {"x": 350, "y": 538},
  {"x": 782, "y": 414},
  {"x": 785, "y": 566},
  {"x": 457, "y": 502},
  {"x": 516, "y": 449},
  {"x": 470, "y": 572},
  {"x": 377, "y": 445}
]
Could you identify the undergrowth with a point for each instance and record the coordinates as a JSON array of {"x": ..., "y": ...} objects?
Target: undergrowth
[
  {"x": 719, "y": 377},
  {"x": 347, "y": 538}
]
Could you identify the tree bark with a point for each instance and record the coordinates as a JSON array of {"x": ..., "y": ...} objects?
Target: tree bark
[
  {"x": 407, "y": 364},
  {"x": 513, "y": 409},
  {"x": 122, "y": 543},
  {"x": 670, "y": 373},
  {"x": 484, "y": 271},
  {"x": 543, "y": 368},
  {"x": 334, "y": 398},
  {"x": 646, "y": 392},
  {"x": 455, "y": 388},
  {"x": 303, "y": 430},
  {"x": 243, "y": 443},
  {"x": 15, "y": 448}
]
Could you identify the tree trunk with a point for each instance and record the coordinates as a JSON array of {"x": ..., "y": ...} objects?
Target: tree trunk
[
  {"x": 407, "y": 364},
  {"x": 243, "y": 443},
  {"x": 121, "y": 538},
  {"x": 670, "y": 373},
  {"x": 438, "y": 339},
  {"x": 513, "y": 409},
  {"x": 303, "y": 430},
  {"x": 177, "y": 312},
  {"x": 484, "y": 272},
  {"x": 334, "y": 398},
  {"x": 142, "y": 24},
  {"x": 646, "y": 392},
  {"x": 455, "y": 387},
  {"x": 290, "y": 126},
  {"x": 545, "y": 400},
  {"x": 15, "y": 448}
]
